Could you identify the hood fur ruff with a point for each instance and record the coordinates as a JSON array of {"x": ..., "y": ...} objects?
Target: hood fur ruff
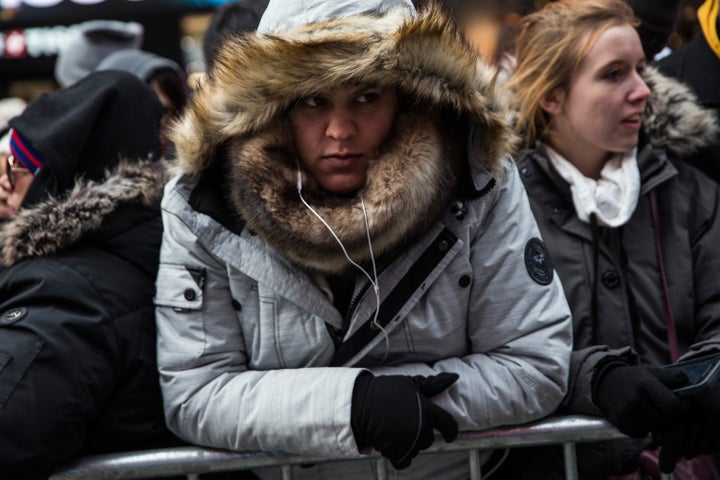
[
  {"x": 57, "y": 224},
  {"x": 256, "y": 79},
  {"x": 404, "y": 194},
  {"x": 673, "y": 117},
  {"x": 243, "y": 104}
]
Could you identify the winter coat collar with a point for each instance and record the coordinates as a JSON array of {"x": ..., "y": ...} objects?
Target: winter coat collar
[
  {"x": 553, "y": 195},
  {"x": 240, "y": 111},
  {"x": 674, "y": 121},
  {"x": 57, "y": 224}
]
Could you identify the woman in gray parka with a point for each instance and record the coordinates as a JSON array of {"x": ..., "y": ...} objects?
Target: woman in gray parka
[{"x": 349, "y": 258}]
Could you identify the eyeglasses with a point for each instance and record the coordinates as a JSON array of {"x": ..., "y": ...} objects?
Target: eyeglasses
[{"x": 11, "y": 169}]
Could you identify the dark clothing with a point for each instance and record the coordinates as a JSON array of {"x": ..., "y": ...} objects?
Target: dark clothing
[
  {"x": 77, "y": 337},
  {"x": 657, "y": 21},
  {"x": 78, "y": 262},
  {"x": 696, "y": 65},
  {"x": 628, "y": 320},
  {"x": 630, "y": 304}
]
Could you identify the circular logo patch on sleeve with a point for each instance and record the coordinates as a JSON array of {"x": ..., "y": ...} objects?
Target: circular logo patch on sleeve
[{"x": 537, "y": 261}]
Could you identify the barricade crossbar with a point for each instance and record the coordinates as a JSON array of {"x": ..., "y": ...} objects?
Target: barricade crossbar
[{"x": 191, "y": 461}]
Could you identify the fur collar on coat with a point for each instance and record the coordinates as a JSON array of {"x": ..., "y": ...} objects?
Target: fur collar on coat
[
  {"x": 674, "y": 120},
  {"x": 241, "y": 109},
  {"x": 57, "y": 224}
]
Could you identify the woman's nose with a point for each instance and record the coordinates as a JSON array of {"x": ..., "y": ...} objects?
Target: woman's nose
[
  {"x": 341, "y": 125},
  {"x": 640, "y": 91}
]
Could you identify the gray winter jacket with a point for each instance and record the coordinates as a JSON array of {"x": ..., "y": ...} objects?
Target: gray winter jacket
[{"x": 252, "y": 352}]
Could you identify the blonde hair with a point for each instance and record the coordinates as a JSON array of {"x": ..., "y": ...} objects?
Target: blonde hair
[{"x": 551, "y": 45}]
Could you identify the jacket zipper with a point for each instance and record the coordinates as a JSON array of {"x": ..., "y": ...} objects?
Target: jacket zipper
[{"x": 354, "y": 303}]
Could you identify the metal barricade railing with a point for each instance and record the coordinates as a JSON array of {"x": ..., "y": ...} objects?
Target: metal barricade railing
[{"x": 192, "y": 461}]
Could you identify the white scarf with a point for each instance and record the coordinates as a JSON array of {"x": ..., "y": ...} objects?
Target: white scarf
[{"x": 612, "y": 198}]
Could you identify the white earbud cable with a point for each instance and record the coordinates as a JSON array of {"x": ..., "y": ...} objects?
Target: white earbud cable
[{"x": 374, "y": 278}]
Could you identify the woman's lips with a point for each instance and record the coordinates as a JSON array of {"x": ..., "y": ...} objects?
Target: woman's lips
[
  {"x": 633, "y": 121},
  {"x": 342, "y": 159}
]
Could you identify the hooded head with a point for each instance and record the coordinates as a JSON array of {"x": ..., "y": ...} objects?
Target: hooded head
[
  {"x": 319, "y": 44},
  {"x": 85, "y": 130},
  {"x": 143, "y": 65},
  {"x": 164, "y": 76},
  {"x": 238, "y": 119},
  {"x": 94, "y": 40}
]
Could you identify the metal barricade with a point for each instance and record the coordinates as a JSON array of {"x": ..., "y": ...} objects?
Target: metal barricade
[{"x": 192, "y": 461}]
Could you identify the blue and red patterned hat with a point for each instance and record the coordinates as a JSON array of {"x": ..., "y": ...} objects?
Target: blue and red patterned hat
[{"x": 24, "y": 152}]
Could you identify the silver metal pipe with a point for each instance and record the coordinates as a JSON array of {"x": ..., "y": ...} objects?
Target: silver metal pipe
[
  {"x": 381, "y": 470},
  {"x": 474, "y": 460},
  {"x": 571, "y": 469},
  {"x": 181, "y": 461}
]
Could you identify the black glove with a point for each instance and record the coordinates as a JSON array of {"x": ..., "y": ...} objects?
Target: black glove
[
  {"x": 393, "y": 415},
  {"x": 638, "y": 399},
  {"x": 697, "y": 434}
]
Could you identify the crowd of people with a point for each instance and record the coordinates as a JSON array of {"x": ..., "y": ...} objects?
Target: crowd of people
[{"x": 354, "y": 233}]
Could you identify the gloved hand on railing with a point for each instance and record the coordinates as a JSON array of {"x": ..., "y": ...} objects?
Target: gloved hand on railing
[
  {"x": 393, "y": 414},
  {"x": 697, "y": 433},
  {"x": 637, "y": 399}
]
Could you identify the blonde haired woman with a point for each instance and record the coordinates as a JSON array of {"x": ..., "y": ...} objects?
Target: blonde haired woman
[{"x": 606, "y": 138}]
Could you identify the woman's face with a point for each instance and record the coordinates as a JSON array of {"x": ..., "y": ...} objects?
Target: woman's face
[
  {"x": 337, "y": 134},
  {"x": 601, "y": 111},
  {"x": 12, "y": 195}
]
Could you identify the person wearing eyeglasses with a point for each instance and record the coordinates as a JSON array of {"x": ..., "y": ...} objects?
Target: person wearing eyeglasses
[
  {"x": 20, "y": 167},
  {"x": 78, "y": 259}
]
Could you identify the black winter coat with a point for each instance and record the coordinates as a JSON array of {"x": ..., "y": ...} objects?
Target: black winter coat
[
  {"x": 77, "y": 331},
  {"x": 698, "y": 66}
]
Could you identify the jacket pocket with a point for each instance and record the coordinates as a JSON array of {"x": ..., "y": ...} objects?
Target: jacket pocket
[
  {"x": 17, "y": 352},
  {"x": 180, "y": 287}
]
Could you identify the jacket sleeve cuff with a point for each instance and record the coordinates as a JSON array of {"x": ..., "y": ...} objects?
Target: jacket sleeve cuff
[{"x": 583, "y": 366}]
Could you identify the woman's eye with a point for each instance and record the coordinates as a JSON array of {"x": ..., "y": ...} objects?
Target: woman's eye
[
  {"x": 368, "y": 97},
  {"x": 613, "y": 74},
  {"x": 313, "y": 101}
]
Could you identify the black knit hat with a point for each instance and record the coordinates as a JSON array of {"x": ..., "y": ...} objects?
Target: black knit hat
[
  {"x": 657, "y": 22},
  {"x": 231, "y": 18},
  {"x": 86, "y": 129}
]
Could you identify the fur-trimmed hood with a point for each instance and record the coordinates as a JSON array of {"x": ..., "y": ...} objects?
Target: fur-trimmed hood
[
  {"x": 241, "y": 110},
  {"x": 674, "y": 120},
  {"x": 257, "y": 78},
  {"x": 59, "y": 223}
]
